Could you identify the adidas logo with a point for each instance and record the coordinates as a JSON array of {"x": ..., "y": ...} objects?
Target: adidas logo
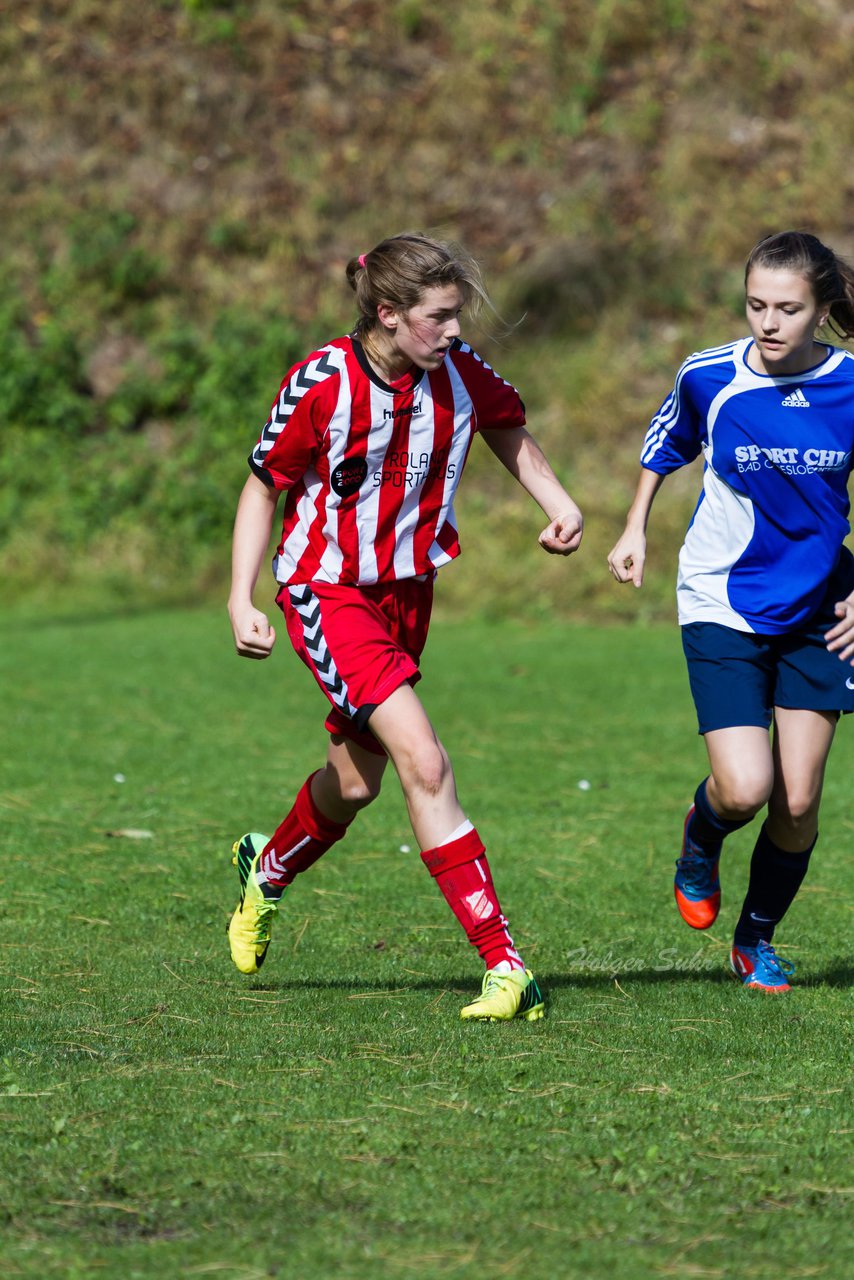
[{"x": 797, "y": 400}]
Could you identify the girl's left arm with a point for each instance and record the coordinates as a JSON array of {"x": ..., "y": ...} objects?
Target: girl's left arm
[
  {"x": 841, "y": 637},
  {"x": 517, "y": 450}
]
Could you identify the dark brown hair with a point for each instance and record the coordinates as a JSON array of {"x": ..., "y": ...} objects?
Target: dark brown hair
[{"x": 830, "y": 277}]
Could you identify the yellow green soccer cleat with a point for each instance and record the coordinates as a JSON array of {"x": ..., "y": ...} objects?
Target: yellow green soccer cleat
[
  {"x": 251, "y": 924},
  {"x": 506, "y": 996}
]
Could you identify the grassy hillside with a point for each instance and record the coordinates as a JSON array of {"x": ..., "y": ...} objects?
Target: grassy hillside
[{"x": 183, "y": 182}]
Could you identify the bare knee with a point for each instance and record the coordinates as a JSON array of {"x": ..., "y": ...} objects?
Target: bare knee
[
  {"x": 359, "y": 792},
  {"x": 738, "y": 797},
  {"x": 795, "y": 811},
  {"x": 425, "y": 769},
  {"x": 344, "y": 786}
]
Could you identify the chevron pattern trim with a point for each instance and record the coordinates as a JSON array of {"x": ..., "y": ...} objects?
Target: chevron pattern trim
[
  {"x": 308, "y": 376},
  {"x": 307, "y": 606}
]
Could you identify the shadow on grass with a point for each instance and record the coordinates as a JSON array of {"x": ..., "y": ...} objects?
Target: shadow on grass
[{"x": 839, "y": 974}]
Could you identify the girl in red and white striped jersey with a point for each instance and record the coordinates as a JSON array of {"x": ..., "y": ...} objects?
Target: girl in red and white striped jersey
[{"x": 368, "y": 437}]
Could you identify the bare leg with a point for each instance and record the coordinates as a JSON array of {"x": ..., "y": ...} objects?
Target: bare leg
[
  {"x": 739, "y": 783},
  {"x": 802, "y": 742},
  {"x": 403, "y": 727},
  {"x": 781, "y": 856},
  {"x": 742, "y": 771},
  {"x": 350, "y": 780},
  {"x": 452, "y": 850},
  {"x": 324, "y": 807}
]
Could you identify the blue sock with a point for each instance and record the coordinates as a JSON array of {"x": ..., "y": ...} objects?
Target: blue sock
[
  {"x": 775, "y": 877},
  {"x": 707, "y": 829}
]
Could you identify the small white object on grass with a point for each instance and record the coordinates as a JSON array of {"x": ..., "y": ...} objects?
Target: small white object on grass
[
  {"x": 583, "y": 784},
  {"x": 118, "y": 777},
  {"x": 404, "y": 848}
]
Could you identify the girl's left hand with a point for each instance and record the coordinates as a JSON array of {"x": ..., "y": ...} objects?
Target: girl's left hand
[
  {"x": 563, "y": 535},
  {"x": 840, "y": 639}
]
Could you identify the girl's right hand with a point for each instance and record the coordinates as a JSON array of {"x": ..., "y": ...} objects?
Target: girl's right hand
[
  {"x": 626, "y": 559},
  {"x": 253, "y": 635}
]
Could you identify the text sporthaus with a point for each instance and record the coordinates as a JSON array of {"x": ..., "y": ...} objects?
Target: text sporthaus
[{"x": 404, "y": 470}]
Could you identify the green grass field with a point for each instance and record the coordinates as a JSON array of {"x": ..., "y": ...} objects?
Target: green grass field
[{"x": 163, "y": 1116}]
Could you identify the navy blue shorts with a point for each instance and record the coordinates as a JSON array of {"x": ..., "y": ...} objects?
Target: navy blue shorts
[{"x": 737, "y": 677}]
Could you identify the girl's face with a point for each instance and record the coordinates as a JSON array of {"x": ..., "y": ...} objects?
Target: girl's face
[
  {"x": 422, "y": 335},
  {"x": 783, "y": 316}
]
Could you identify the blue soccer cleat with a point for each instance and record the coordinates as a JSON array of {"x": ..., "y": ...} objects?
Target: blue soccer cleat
[
  {"x": 761, "y": 968},
  {"x": 696, "y": 886}
]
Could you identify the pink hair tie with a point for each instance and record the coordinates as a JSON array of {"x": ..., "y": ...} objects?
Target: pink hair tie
[{"x": 361, "y": 259}]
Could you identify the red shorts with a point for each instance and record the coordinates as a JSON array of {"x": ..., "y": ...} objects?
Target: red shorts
[{"x": 360, "y": 643}]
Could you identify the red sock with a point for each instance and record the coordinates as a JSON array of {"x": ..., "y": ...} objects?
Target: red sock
[
  {"x": 461, "y": 871},
  {"x": 299, "y": 841}
]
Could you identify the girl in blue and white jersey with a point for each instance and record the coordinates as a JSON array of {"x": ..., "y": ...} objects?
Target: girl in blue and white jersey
[{"x": 765, "y": 588}]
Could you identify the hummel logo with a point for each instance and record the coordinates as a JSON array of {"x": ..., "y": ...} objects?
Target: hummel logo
[{"x": 797, "y": 400}]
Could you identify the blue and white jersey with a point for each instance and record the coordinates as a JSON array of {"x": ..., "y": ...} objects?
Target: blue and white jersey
[{"x": 768, "y": 529}]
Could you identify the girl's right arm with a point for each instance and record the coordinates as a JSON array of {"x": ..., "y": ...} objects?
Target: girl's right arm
[
  {"x": 253, "y": 525},
  {"x": 626, "y": 560}
]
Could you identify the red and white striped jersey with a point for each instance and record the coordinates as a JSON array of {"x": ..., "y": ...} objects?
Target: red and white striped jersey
[{"x": 371, "y": 468}]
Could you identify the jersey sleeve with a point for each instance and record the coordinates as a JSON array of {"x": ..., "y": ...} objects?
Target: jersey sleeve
[
  {"x": 496, "y": 402},
  {"x": 677, "y": 432},
  {"x": 294, "y": 432}
]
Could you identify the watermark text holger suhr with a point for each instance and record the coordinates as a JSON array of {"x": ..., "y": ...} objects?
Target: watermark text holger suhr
[{"x": 667, "y": 960}]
